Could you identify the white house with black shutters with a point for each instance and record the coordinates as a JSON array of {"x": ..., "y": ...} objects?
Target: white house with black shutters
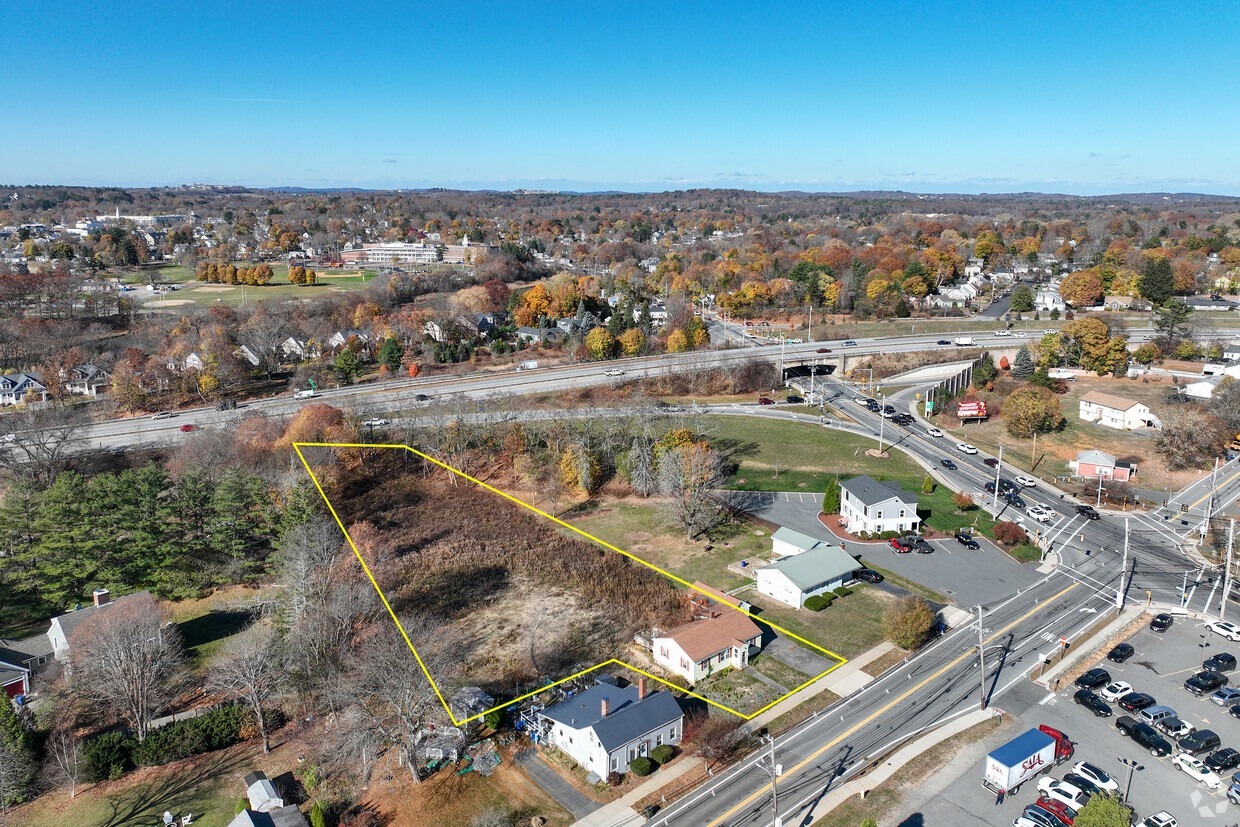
[{"x": 872, "y": 507}]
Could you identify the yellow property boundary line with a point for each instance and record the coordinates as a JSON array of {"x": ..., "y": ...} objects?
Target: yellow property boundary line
[{"x": 297, "y": 446}]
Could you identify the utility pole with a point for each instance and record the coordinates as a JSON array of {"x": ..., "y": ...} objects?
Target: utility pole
[
  {"x": 1205, "y": 523},
  {"x": 994, "y": 503},
  {"x": 809, "y": 337},
  {"x": 1231, "y": 539},
  {"x": 776, "y": 770},
  {"x": 1123, "y": 574},
  {"x": 882, "y": 420},
  {"x": 1098, "y": 499},
  {"x": 981, "y": 658}
]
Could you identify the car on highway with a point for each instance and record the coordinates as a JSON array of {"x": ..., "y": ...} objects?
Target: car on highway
[
  {"x": 765, "y": 400},
  {"x": 1199, "y": 741},
  {"x": 1088, "y": 512},
  {"x": 948, "y": 464},
  {"x": 823, "y": 350},
  {"x": 613, "y": 372},
  {"x": 421, "y": 398},
  {"x": 1222, "y": 760},
  {"x": 1115, "y": 690},
  {"x": 990, "y": 462},
  {"x": 1143, "y": 734},
  {"x": 377, "y": 422},
  {"x": 965, "y": 448},
  {"x": 861, "y": 400},
  {"x": 793, "y": 399},
  {"x": 1222, "y": 662},
  {"x": 899, "y": 546},
  {"x": 1197, "y": 771},
  {"x": 1121, "y": 652},
  {"x": 1040, "y": 513},
  {"x": 869, "y": 576},
  {"x": 1224, "y": 628},
  {"x": 1097, "y": 776},
  {"x": 934, "y": 432},
  {"x": 943, "y": 342},
  {"x": 1227, "y": 696},
  {"x": 1094, "y": 678},
  {"x": 1015, "y": 500},
  {"x": 1027, "y": 482},
  {"x": 164, "y": 415},
  {"x": 1205, "y": 682},
  {"x": 1003, "y": 333},
  {"x": 966, "y": 539},
  {"x": 1136, "y": 701},
  {"x": 850, "y": 343},
  {"x": 188, "y": 427},
  {"x": 1087, "y": 699},
  {"x": 1161, "y": 622},
  {"x": 1062, "y": 791}
]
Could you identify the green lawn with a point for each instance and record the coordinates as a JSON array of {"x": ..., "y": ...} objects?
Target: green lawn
[
  {"x": 849, "y": 626},
  {"x": 778, "y": 671},
  {"x": 329, "y": 281}
]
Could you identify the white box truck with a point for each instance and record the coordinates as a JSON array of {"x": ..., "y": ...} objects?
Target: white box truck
[
  {"x": 1023, "y": 758},
  {"x": 528, "y": 364},
  {"x": 964, "y": 341}
]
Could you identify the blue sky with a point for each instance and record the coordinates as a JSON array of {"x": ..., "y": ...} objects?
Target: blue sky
[{"x": 1079, "y": 97}]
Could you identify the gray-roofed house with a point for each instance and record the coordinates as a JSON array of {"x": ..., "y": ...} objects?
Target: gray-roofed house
[
  {"x": 266, "y": 806},
  {"x": 792, "y": 580},
  {"x": 19, "y": 659},
  {"x": 607, "y": 726},
  {"x": 872, "y": 507},
  {"x": 63, "y": 625},
  {"x": 21, "y": 387}
]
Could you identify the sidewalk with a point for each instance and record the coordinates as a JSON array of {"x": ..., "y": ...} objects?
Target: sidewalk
[{"x": 844, "y": 681}]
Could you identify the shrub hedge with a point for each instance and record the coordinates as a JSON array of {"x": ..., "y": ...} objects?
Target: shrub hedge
[
  {"x": 843, "y": 591},
  {"x": 818, "y": 602},
  {"x": 662, "y": 753},
  {"x": 641, "y": 766},
  {"x": 110, "y": 755}
]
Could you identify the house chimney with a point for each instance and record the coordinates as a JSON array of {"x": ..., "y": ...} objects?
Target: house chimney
[
  {"x": 606, "y": 706},
  {"x": 641, "y": 687},
  {"x": 101, "y": 596}
]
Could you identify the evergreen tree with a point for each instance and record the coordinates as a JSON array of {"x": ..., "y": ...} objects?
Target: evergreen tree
[
  {"x": 347, "y": 366},
  {"x": 831, "y": 499},
  {"x": 17, "y": 765},
  {"x": 390, "y": 353},
  {"x": 1022, "y": 367},
  {"x": 1157, "y": 282}
]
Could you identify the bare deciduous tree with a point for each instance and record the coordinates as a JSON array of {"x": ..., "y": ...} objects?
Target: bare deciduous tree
[
  {"x": 306, "y": 554},
  {"x": 45, "y": 442},
  {"x": 64, "y": 751},
  {"x": 688, "y": 476},
  {"x": 250, "y": 670},
  {"x": 127, "y": 660}
]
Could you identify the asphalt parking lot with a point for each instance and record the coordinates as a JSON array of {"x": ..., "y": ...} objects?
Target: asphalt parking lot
[{"x": 1159, "y": 667}]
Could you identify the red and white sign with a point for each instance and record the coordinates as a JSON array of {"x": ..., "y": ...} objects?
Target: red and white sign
[{"x": 972, "y": 410}]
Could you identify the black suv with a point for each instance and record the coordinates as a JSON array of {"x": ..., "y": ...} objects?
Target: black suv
[
  {"x": 1203, "y": 740},
  {"x": 966, "y": 539},
  {"x": 1088, "y": 512},
  {"x": 1136, "y": 701},
  {"x": 1092, "y": 702},
  {"x": 869, "y": 576},
  {"x": 1143, "y": 734},
  {"x": 1206, "y": 682},
  {"x": 1094, "y": 677},
  {"x": 1222, "y": 662}
]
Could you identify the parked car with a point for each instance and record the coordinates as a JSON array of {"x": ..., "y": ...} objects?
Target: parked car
[
  {"x": 1235, "y": 711},
  {"x": 1064, "y": 812},
  {"x": 1097, "y": 775},
  {"x": 921, "y": 546},
  {"x": 1223, "y": 759},
  {"x": 965, "y": 539},
  {"x": 1197, "y": 771},
  {"x": 1087, "y": 699},
  {"x": 1074, "y": 797},
  {"x": 1226, "y": 696},
  {"x": 1115, "y": 690},
  {"x": 1222, "y": 662},
  {"x": 1035, "y": 816},
  {"x": 1174, "y": 727},
  {"x": 1088, "y": 512},
  {"x": 1224, "y": 628},
  {"x": 1143, "y": 734},
  {"x": 1199, "y": 741},
  {"x": 1162, "y": 818},
  {"x": 1094, "y": 678},
  {"x": 948, "y": 464},
  {"x": 869, "y": 576},
  {"x": 1121, "y": 653},
  {"x": 1082, "y": 783},
  {"x": 1206, "y": 682},
  {"x": 1161, "y": 623},
  {"x": 965, "y": 448},
  {"x": 1136, "y": 701},
  {"x": 899, "y": 546}
]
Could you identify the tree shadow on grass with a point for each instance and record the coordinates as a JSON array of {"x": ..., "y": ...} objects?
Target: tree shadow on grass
[
  {"x": 145, "y": 803},
  {"x": 216, "y": 624},
  {"x": 732, "y": 448}
]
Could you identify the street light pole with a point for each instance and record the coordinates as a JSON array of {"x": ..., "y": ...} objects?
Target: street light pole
[
  {"x": 994, "y": 503},
  {"x": 981, "y": 657},
  {"x": 775, "y": 770},
  {"x": 1231, "y": 540},
  {"x": 1131, "y": 765}
]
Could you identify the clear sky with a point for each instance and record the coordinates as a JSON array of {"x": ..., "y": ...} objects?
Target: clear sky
[{"x": 1081, "y": 97}]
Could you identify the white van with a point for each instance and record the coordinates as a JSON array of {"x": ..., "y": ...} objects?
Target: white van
[{"x": 303, "y": 394}]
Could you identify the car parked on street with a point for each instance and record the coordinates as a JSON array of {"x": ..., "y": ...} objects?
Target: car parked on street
[
  {"x": 1121, "y": 653},
  {"x": 1087, "y": 699},
  {"x": 1093, "y": 678}
]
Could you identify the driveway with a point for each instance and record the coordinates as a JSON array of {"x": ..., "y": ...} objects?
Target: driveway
[
  {"x": 553, "y": 785},
  {"x": 965, "y": 577},
  {"x": 797, "y": 656}
]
